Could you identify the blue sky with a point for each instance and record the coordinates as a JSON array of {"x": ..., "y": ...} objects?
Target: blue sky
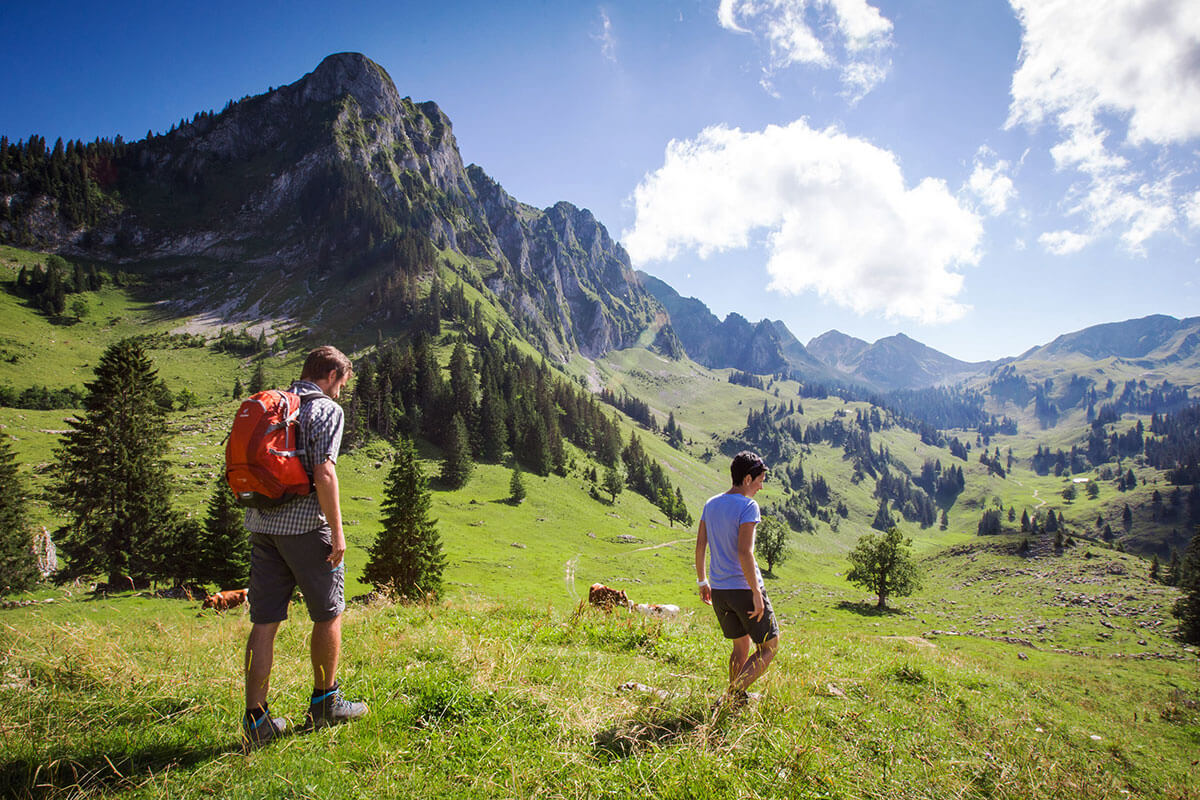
[{"x": 980, "y": 175}]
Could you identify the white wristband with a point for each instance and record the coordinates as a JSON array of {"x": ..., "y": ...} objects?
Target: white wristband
[{"x": 702, "y": 582}]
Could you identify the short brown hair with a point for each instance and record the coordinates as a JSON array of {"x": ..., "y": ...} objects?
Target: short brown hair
[
  {"x": 323, "y": 359},
  {"x": 746, "y": 463}
]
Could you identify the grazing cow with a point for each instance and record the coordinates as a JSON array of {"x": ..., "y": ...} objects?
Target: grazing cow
[
  {"x": 603, "y": 597},
  {"x": 222, "y": 601},
  {"x": 657, "y": 609}
]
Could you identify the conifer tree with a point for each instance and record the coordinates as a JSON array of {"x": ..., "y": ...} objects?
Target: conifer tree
[
  {"x": 113, "y": 478},
  {"x": 18, "y": 564},
  {"x": 1173, "y": 568},
  {"x": 225, "y": 548},
  {"x": 681, "y": 510},
  {"x": 457, "y": 464},
  {"x": 1187, "y": 608},
  {"x": 258, "y": 381},
  {"x": 1154, "y": 568},
  {"x": 238, "y": 389},
  {"x": 407, "y": 554},
  {"x": 493, "y": 432},
  {"x": 516, "y": 486},
  {"x": 883, "y": 517}
]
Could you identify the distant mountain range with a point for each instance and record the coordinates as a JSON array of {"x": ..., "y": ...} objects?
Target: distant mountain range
[{"x": 328, "y": 200}]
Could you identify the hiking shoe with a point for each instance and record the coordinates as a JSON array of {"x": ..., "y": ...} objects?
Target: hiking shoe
[
  {"x": 256, "y": 733},
  {"x": 332, "y": 708}
]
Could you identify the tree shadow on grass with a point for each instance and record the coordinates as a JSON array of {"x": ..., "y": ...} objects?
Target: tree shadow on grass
[
  {"x": 71, "y": 773},
  {"x": 870, "y": 610}
]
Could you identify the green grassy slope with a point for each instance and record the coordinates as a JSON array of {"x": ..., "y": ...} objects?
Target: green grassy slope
[{"x": 503, "y": 689}]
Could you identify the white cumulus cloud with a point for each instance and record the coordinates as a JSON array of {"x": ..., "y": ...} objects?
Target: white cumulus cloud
[
  {"x": 1120, "y": 81},
  {"x": 1062, "y": 243},
  {"x": 837, "y": 213},
  {"x": 1192, "y": 210},
  {"x": 990, "y": 182},
  {"x": 850, "y": 35}
]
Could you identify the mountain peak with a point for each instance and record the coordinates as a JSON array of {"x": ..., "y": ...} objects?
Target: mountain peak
[{"x": 353, "y": 74}]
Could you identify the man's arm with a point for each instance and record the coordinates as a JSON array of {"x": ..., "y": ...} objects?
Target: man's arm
[
  {"x": 701, "y": 546},
  {"x": 750, "y": 566},
  {"x": 326, "y": 481}
]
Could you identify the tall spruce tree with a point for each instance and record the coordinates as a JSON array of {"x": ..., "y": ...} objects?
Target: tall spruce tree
[
  {"x": 516, "y": 486},
  {"x": 457, "y": 464},
  {"x": 113, "y": 480},
  {"x": 407, "y": 554},
  {"x": 225, "y": 549},
  {"x": 258, "y": 381},
  {"x": 1187, "y": 608},
  {"x": 18, "y": 564}
]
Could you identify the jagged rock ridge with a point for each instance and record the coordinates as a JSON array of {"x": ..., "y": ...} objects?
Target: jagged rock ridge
[{"x": 322, "y": 180}]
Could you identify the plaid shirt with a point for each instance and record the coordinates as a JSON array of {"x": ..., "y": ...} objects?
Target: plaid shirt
[{"x": 320, "y": 422}]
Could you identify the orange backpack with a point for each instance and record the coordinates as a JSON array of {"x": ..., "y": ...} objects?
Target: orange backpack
[{"x": 262, "y": 455}]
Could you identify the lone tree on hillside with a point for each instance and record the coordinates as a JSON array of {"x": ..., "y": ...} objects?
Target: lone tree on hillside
[
  {"x": 225, "y": 549},
  {"x": 1187, "y": 608},
  {"x": 18, "y": 564},
  {"x": 516, "y": 486},
  {"x": 113, "y": 478},
  {"x": 770, "y": 542},
  {"x": 884, "y": 565},
  {"x": 407, "y": 554}
]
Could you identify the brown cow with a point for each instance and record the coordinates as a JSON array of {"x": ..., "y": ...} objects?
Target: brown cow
[
  {"x": 603, "y": 597},
  {"x": 222, "y": 601}
]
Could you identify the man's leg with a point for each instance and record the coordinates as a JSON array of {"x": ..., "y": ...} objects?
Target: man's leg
[
  {"x": 737, "y": 659},
  {"x": 754, "y": 666},
  {"x": 326, "y": 648},
  {"x": 260, "y": 655}
]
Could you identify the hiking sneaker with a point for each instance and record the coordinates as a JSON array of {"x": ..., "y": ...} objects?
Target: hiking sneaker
[
  {"x": 256, "y": 733},
  {"x": 332, "y": 708}
]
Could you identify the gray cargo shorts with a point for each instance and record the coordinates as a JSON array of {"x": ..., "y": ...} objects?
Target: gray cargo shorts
[{"x": 280, "y": 564}]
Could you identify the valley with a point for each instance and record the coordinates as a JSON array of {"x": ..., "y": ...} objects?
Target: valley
[{"x": 1038, "y": 659}]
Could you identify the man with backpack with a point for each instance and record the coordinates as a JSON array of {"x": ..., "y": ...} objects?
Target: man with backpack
[{"x": 300, "y": 543}]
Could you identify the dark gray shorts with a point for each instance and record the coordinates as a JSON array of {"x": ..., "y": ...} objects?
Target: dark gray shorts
[
  {"x": 279, "y": 564},
  {"x": 733, "y": 608}
]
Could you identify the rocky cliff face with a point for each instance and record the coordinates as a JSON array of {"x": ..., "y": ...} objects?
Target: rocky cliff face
[
  {"x": 762, "y": 348},
  {"x": 561, "y": 267},
  {"x": 322, "y": 178}
]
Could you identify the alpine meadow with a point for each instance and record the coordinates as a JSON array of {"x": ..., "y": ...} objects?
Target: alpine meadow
[{"x": 985, "y": 573}]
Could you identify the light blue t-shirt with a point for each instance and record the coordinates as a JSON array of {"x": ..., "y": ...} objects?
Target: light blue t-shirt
[{"x": 722, "y": 516}]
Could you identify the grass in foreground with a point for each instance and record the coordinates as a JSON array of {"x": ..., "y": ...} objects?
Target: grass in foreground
[{"x": 140, "y": 697}]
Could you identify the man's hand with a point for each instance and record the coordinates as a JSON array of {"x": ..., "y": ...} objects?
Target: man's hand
[
  {"x": 706, "y": 594},
  {"x": 338, "y": 541},
  {"x": 759, "y": 607}
]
